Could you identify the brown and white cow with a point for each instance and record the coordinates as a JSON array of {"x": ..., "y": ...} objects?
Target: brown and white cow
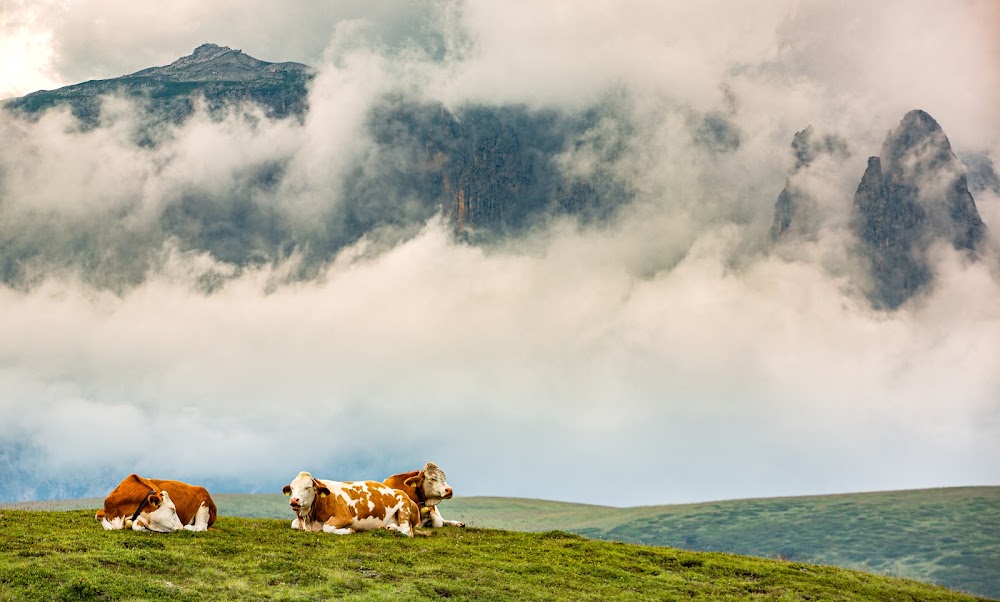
[
  {"x": 427, "y": 488},
  {"x": 139, "y": 504},
  {"x": 346, "y": 507}
]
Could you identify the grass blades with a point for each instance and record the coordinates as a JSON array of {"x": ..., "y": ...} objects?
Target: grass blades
[{"x": 67, "y": 556}]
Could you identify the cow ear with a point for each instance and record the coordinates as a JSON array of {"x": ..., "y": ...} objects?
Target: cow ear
[
  {"x": 415, "y": 481},
  {"x": 287, "y": 490},
  {"x": 154, "y": 500},
  {"x": 321, "y": 489}
]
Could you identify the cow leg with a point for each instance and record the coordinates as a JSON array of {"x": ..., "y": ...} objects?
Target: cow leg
[
  {"x": 200, "y": 520},
  {"x": 400, "y": 522},
  {"x": 404, "y": 528},
  {"x": 338, "y": 526},
  {"x": 296, "y": 524},
  {"x": 438, "y": 521},
  {"x": 111, "y": 525},
  {"x": 403, "y": 517}
]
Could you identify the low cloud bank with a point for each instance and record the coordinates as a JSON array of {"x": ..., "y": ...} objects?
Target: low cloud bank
[{"x": 536, "y": 372}]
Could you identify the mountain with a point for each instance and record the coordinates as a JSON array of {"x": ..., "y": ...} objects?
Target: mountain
[
  {"x": 794, "y": 201},
  {"x": 221, "y": 75},
  {"x": 491, "y": 171},
  {"x": 913, "y": 195}
]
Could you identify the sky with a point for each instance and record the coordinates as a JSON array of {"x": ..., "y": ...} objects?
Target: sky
[{"x": 671, "y": 356}]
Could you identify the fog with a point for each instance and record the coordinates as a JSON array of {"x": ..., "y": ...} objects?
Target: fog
[{"x": 671, "y": 353}]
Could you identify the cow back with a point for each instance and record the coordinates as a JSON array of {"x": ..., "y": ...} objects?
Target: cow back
[
  {"x": 361, "y": 502},
  {"x": 188, "y": 499},
  {"x": 398, "y": 481},
  {"x": 125, "y": 499}
]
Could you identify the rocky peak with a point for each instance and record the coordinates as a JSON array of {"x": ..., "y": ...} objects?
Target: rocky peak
[
  {"x": 222, "y": 76},
  {"x": 911, "y": 196},
  {"x": 202, "y": 54},
  {"x": 920, "y": 167},
  {"x": 794, "y": 204},
  {"x": 211, "y": 62},
  {"x": 807, "y": 146},
  {"x": 982, "y": 173},
  {"x": 918, "y": 149}
]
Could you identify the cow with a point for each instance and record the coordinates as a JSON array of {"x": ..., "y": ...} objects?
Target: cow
[
  {"x": 427, "y": 488},
  {"x": 139, "y": 504},
  {"x": 346, "y": 507}
]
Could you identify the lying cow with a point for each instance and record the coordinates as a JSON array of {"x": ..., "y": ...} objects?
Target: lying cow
[
  {"x": 427, "y": 488},
  {"x": 141, "y": 504},
  {"x": 343, "y": 508}
]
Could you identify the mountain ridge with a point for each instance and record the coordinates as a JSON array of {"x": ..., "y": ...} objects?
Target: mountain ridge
[
  {"x": 913, "y": 194},
  {"x": 211, "y": 62},
  {"x": 221, "y": 75},
  {"x": 493, "y": 171}
]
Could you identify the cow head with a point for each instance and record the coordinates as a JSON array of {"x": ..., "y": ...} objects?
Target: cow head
[
  {"x": 431, "y": 481},
  {"x": 161, "y": 515},
  {"x": 302, "y": 492}
]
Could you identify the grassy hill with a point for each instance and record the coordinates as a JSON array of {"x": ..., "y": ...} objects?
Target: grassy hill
[
  {"x": 950, "y": 537},
  {"x": 946, "y": 536},
  {"x": 67, "y": 556}
]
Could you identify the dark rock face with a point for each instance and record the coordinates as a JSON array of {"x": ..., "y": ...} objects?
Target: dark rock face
[
  {"x": 490, "y": 171},
  {"x": 718, "y": 133},
  {"x": 982, "y": 173},
  {"x": 784, "y": 209},
  {"x": 807, "y": 147},
  {"x": 912, "y": 196},
  {"x": 221, "y": 75},
  {"x": 889, "y": 227}
]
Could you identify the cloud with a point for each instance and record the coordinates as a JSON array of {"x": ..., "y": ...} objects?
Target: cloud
[
  {"x": 513, "y": 369},
  {"x": 25, "y": 51},
  {"x": 899, "y": 56},
  {"x": 163, "y": 322}
]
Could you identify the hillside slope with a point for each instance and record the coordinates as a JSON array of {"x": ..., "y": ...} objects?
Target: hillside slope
[
  {"x": 65, "y": 555},
  {"x": 946, "y": 536},
  {"x": 949, "y": 536}
]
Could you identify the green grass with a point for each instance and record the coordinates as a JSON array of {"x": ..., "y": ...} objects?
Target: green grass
[
  {"x": 946, "y": 536},
  {"x": 949, "y": 537},
  {"x": 67, "y": 556}
]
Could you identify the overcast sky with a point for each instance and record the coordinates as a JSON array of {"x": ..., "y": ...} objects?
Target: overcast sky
[{"x": 670, "y": 357}]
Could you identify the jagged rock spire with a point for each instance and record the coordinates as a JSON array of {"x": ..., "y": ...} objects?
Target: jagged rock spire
[
  {"x": 807, "y": 147},
  {"x": 911, "y": 196}
]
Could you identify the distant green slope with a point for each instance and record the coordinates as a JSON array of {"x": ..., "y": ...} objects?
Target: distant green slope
[
  {"x": 67, "y": 556},
  {"x": 946, "y": 536}
]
